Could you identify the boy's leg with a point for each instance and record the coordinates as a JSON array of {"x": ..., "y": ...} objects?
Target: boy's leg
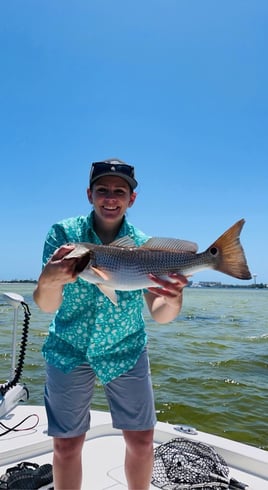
[
  {"x": 67, "y": 462},
  {"x": 131, "y": 401},
  {"x": 139, "y": 458},
  {"x": 67, "y": 401}
]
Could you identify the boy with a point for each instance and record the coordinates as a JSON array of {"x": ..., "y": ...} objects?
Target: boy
[{"x": 89, "y": 336}]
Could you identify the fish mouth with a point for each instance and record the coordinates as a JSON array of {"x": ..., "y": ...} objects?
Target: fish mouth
[{"x": 81, "y": 263}]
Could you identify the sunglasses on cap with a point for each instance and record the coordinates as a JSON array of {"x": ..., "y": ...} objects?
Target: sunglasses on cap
[{"x": 113, "y": 167}]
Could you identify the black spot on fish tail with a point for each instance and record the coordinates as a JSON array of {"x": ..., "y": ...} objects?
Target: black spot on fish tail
[
  {"x": 214, "y": 251},
  {"x": 228, "y": 254}
]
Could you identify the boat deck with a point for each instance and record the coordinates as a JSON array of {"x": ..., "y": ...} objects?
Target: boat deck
[{"x": 103, "y": 453}]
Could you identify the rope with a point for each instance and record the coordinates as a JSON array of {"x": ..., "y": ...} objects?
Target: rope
[{"x": 17, "y": 427}]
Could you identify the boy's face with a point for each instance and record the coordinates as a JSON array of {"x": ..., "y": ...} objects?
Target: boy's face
[{"x": 111, "y": 196}]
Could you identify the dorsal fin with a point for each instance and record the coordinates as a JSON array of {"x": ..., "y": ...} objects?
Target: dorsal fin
[
  {"x": 125, "y": 241},
  {"x": 171, "y": 244}
]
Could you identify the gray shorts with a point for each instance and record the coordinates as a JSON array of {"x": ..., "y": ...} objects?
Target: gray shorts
[{"x": 68, "y": 398}]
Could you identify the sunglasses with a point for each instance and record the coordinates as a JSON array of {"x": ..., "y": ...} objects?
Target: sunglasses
[{"x": 99, "y": 168}]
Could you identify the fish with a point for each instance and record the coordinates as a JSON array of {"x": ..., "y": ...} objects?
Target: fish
[{"x": 123, "y": 266}]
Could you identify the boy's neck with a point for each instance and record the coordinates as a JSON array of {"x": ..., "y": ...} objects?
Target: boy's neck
[{"x": 106, "y": 234}]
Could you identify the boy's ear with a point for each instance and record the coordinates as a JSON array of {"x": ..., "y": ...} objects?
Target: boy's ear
[
  {"x": 132, "y": 199},
  {"x": 89, "y": 195}
]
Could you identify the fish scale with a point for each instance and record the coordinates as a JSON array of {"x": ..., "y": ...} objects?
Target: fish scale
[{"x": 134, "y": 265}]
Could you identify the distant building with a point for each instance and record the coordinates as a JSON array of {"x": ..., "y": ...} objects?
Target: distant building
[{"x": 206, "y": 284}]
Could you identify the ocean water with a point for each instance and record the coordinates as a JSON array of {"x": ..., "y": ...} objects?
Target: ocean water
[{"x": 209, "y": 366}]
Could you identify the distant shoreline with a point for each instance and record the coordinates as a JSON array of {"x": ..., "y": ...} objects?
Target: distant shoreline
[
  {"x": 19, "y": 281},
  {"x": 200, "y": 285}
]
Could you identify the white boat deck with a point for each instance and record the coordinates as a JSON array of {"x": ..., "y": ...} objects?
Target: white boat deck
[{"x": 103, "y": 453}]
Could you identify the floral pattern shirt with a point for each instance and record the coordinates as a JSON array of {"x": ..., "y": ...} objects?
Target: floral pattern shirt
[{"x": 88, "y": 327}]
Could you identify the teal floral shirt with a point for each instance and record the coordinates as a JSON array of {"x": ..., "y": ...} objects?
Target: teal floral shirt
[{"x": 88, "y": 327}]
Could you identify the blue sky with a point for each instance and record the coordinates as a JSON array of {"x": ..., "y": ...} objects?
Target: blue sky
[{"x": 177, "y": 88}]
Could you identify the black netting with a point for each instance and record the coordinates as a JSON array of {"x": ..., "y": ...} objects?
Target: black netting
[{"x": 184, "y": 464}]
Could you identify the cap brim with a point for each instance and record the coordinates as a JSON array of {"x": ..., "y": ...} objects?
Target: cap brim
[{"x": 132, "y": 182}]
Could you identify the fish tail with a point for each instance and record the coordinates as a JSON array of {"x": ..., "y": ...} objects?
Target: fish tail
[{"x": 228, "y": 254}]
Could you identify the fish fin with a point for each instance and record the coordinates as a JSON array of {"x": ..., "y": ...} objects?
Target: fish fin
[
  {"x": 171, "y": 244},
  {"x": 99, "y": 273},
  {"x": 228, "y": 253},
  {"x": 109, "y": 292},
  {"x": 80, "y": 250},
  {"x": 124, "y": 241}
]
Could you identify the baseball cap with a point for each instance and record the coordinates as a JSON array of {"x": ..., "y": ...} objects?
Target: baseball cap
[{"x": 113, "y": 166}]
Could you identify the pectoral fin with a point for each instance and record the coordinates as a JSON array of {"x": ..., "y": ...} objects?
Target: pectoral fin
[
  {"x": 99, "y": 273},
  {"x": 110, "y": 293}
]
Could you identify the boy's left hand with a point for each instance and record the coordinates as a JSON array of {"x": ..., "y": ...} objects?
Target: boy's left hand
[{"x": 171, "y": 289}]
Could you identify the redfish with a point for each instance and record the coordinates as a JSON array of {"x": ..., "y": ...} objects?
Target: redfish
[{"x": 123, "y": 266}]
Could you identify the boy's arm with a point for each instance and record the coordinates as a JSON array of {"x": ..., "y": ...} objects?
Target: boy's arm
[
  {"x": 165, "y": 302},
  {"x": 55, "y": 274}
]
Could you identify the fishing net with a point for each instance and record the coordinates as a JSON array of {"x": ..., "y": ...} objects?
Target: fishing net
[{"x": 182, "y": 464}]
